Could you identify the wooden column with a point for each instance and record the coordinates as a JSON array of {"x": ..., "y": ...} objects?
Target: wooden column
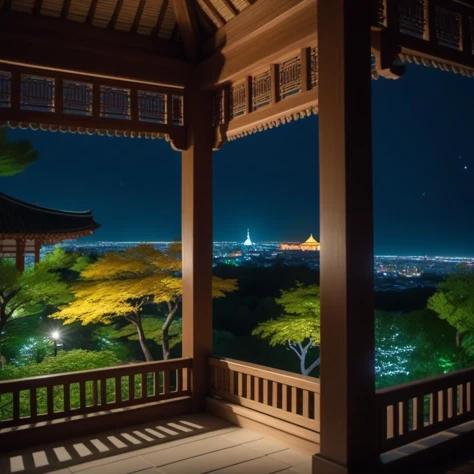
[
  {"x": 20, "y": 256},
  {"x": 197, "y": 240},
  {"x": 37, "y": 251},
  {"x": 348, "y": 415}
]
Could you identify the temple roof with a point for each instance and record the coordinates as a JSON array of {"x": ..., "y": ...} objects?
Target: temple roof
[
  {"x": 21, "y": 220},
  {"x": 311, "y": 241}
]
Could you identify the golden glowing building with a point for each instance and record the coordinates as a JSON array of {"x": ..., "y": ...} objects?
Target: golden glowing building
[{"x": 310, "y": 245}]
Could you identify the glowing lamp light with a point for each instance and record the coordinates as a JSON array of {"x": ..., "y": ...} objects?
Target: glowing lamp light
[{"x": 55, "y": 335}]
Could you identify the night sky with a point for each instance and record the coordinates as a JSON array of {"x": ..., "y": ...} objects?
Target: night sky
[{"x": 423, "y": 175}]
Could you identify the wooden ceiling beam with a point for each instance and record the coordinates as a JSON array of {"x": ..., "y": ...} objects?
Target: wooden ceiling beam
[
  {"x": 115, "y": 14},
  {"x": 43, "y": 28},
  {"x": 138, "y": 16},
  {"x": 161, "y": 16},
  {"x": 91, "y": 13},
  {"x": 215, "y": 12},
  {"x": 251, "y": 22},
  {"x": 231, "y": 7},
  {"x": 286, "y": 33},
  {"x": 187, "y": 25},
  {"x": 65, "y": 9}
]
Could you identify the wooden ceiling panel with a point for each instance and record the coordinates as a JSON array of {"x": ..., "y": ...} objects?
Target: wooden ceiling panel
[
  {"x": 149, "y": 16},
  {"x": 22, "y": 5},
  {"x": 52, "y": 8},
  {"x": 169, "y": 22},
  {"x": 241, "y": 4},
  {"x": 223, "y": 10},
  {"x": 78, "y": 10},
  {"x": 215, "y": 19},
  {"x": 103, "y": 13},
  {"x": 127, "y": 15}
]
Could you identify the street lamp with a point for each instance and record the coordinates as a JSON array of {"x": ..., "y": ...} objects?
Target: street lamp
[{"x": 55, "y": 337}]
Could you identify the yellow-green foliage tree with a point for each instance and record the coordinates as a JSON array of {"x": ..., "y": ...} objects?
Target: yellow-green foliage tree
[
  {"x": 120, "y": 284},
  {"x": 15, "y": 156},
  {"x": 299, "y": 328}
]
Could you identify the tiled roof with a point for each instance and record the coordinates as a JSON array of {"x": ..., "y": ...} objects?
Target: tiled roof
[{"x": 20, "y": 219}]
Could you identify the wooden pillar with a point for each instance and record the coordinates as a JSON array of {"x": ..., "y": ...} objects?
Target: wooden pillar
[
  {"x": 197, "y": 240},
  {"x": 20, "y": 255},
  {"x": 37, "y": 251},
  {"x": 348, "y": 412}
]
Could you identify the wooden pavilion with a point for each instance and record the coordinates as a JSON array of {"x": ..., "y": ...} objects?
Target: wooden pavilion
[
  {"x": 25, "y": 227},
  {"x": 202, "y": 72}
]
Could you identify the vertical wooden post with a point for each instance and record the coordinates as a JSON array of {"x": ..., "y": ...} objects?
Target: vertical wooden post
[
  {"x": 37, "y": 250},
  {"x": 197, "y": 240},
  {"x": 58, "y": 96},
  {"x": 15, "y": 92},
  {"x": 20, "y": 255},
  {"x": 348, "y": 410}
]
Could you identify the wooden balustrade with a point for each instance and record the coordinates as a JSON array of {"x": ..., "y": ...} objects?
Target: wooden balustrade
[
  {"x": 415, "y": 410},
  {"x": 50, "y": 397},
  {"x": 286, "y": 396}
]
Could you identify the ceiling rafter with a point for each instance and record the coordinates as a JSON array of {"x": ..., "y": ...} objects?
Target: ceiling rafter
[
  {"x": 65, "y": 9},
  {"x": 37, "y": 7},
  {"x": 231, "y": 7},
  {"x": 161, "y": 16},
  {"x": 138, "y": 16},
  {"x": 187, "y": 25},
  {"x": 115, "y": 14},
  {"x": 215, "y": 12},
  {"x": 91, "y": 14}
]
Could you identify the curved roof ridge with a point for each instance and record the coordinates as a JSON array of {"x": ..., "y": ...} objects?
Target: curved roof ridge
[{"x": 35, "y": 207}]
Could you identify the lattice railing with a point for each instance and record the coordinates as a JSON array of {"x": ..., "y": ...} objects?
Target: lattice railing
[
  {"x": 37, "y": 93},
  {"x": 415, "y": 410},
  {"x": 238, "y": 98},
  {"x": 5, "y": 89},
  {"x": 151, "y": 107},
  {"x": 290, "y": 77},
  {"x": 314, "y": 67},
  {"x": 448, "y": 28},
  {"x": 77, "y": 98},
  {"x": 286, "y": 396},
  {"x": 412, "y": 17},
  {"x": 261, "y": 90},
  {"x": 42, "y": 399},
  {"x": 54, "y": 100}
]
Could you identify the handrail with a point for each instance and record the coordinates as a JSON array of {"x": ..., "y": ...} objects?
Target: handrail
[
  {"x": 50, "y": 397},
  {"x": 284, "y": 395},
  {"x": 80, "y": 375},
  {"x": 276, "y": 375},
  {"x": 414, "y": 410}
]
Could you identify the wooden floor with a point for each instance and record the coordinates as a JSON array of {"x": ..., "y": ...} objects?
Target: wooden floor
[{"x": 191, "y": 444}]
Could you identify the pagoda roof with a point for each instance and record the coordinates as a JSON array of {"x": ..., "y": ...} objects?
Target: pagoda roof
[
  {"x": 22, "y": 220},
  {"x": 311, "y": 241}
]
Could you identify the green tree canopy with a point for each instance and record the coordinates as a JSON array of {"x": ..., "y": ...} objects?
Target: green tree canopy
[
  {"x": 299, "y": 327},
  {"x": 15, "y": 156},
  {"x": 454, "y": 301},
  {"x": 41, "y": 285},
  {"x": 120, "y": 284}
]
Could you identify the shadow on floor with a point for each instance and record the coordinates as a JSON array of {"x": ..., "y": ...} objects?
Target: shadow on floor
[{"x": 46, "y": 458}]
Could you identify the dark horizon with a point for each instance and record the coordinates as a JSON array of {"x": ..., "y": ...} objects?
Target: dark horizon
[{"x": 268, "y": 182}]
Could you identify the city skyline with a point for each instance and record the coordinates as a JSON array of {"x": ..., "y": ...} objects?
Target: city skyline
[{"x": 423, "y": 193}]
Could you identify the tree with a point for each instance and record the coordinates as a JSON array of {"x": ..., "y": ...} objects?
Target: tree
[
  {"x": 120, "y": 284},
  {"x": 16, "y": 156},
  {"x": 454, "y": 301},
  {"x": 299, "y": 327},
  {"x": 23, "y": 294}
]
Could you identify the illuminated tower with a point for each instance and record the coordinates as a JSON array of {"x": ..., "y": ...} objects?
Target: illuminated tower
[{"x": 248, "y": 241}]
